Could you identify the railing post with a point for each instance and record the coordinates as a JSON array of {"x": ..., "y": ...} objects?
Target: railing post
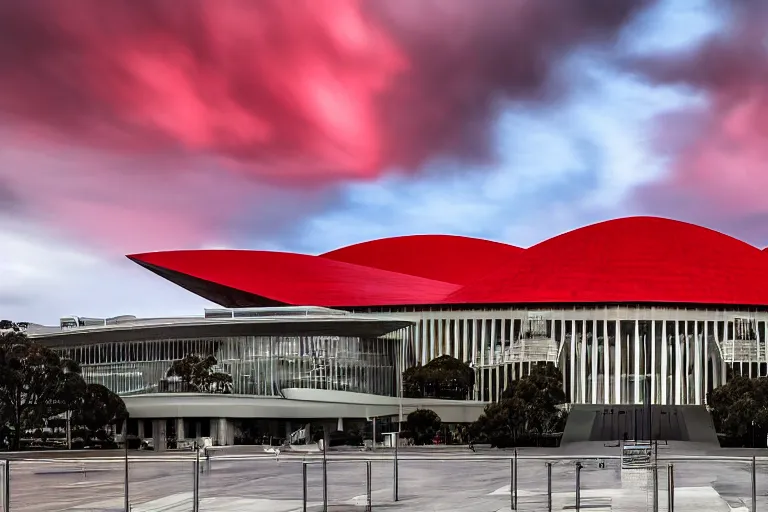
[
  {"x": 196, "y": 482},
  {"x": 512, "y": 484},
  {"x": 549, "y": 487},
  {"x": 304, "y": 486},
  {"x": 513, "y": 481},
  {"x": 517, "y": 476},
  {"x": 578, "y": 486},
  {"x": 125, "y": 485},
  {"x": 368, "y": 492},
  {"x": 671, "y": 488},
  {"x": 754, "y": 484},
  {"x": 325, "y": 476},
  {"x": 395, "y": 489},
  {"x": 655, "y": 470},
  {"x": 7, "y": 486}
]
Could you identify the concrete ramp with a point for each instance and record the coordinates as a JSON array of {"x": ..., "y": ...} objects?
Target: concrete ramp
[
  {"x": 611, "y": 423},
  {"x": 699, "y": 424},
  {"x": 580, "y": 422}
]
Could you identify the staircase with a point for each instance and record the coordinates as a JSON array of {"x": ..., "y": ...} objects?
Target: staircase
[{"x": 618, "y": 422}]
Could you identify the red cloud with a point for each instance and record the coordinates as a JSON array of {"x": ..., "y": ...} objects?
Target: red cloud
[
  {"x": 303, "y": 91},
  {"x": 340, "y": 88},
  {"x": 723, "y": 160}
]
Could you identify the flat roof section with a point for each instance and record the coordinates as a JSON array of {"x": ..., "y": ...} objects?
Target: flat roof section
[{"x": 353, "y": 325}]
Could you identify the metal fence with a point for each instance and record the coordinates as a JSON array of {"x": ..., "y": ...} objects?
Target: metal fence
[{"x": 364, "y": 481}]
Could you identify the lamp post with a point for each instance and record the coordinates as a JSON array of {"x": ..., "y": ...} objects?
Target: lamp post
[
  {"x": 395, "y": 469},
  {"x": 69, "y": 426},
  {"x": 400, "y": 397}
]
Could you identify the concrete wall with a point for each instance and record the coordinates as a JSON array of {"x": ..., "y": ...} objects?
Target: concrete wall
[{"x": 298, "y": 403}]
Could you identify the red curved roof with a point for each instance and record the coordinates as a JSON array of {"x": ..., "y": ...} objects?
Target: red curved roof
[
  {"x": 288, "y": 278},
  {"x": 630, "y": 260},
  {"x": 636, "y": 259},
  {"x": 449, "y": 258}
]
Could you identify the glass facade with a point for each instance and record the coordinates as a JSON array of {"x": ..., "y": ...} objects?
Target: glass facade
[{"x": 258, "y": 365}]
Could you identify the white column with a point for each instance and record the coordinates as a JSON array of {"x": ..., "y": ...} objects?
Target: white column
[
  {"x": 706, "y": 360},
  {"x": 719, "y": 371},
  {"x": 432, "y": 338},
  {"x": 678, "y": 364},
  {"x": 465, "y": 343},
  {"x": 414, "y": 342},
  {"x": 442, "y": 334},
  {"x": 180, "y": 434},
  {"x": 492, "y": 344},
  {"x": 687, "y": 393},
  {"x": 757, "y": 345},
  {"x": 505, "y": 376},
  {"x": 424, "y": 341},
  {"x": 723, "y": 363},
  {"x": 158, "y": 435},
  {"x": 697, "y": 364},
  {"x": 456, "y": 338},
  {"x": 476, "y": 343},
  {"x": 562, "y": 357},
  {"x": 573, "y": 361},
  {"x": 595, "y": 362},
  {"x": 749, "y": 364},
  {"x": 494, "y": 390},
  {"x": 606, "y": 364},
  {"x": 417, "y": 341},
  {"x": 617, "y": 363},
  {"x": 499, "y": 382},
  {"x": 629, "y": 396},
  {"x": 664, "y": 371},
  {"x": 402, "y": 353},
  {"x": 475, "y": 335},
  {"x": 765, "y": 336},
  {"x": 483, "y": 341},
  {"x": 222, "y": 431},
  {"x": 757, "y": 342},
  {"x": 583, "y": 362},
  {"x": 483, "y": 351},
  {"x": 637, "y": 362},
  {"x": 652, "y": 370},
  {"x": 503, "y": 339}
]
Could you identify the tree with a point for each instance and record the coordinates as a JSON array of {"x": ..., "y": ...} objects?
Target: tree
[
  {"x": 529, "y": 407},
  {"x": 444, "y": 377},
  {"x": 197, "y": 374},
  {"x": 498, "y": 425},
  {"x": 35, "y": 384},
  {"x": 736, "y": 405},
  {"x": 423, "y": 425},
  {"x": 413, "y": 382},
  {"x": 540, "y": 395},
  {"x": 99, "y": 407}
]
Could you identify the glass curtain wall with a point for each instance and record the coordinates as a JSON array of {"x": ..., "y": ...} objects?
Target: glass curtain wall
[{"x": 259, "y": 365}]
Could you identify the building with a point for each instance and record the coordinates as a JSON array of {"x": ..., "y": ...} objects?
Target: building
[
  {"x": 633, "y": 310},
  {"x": 289, "y": 367}
]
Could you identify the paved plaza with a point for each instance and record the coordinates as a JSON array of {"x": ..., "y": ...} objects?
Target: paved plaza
[{"x": 442, "y": 480}]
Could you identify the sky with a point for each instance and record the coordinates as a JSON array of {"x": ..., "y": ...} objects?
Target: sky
[{"x": 133, "y": 126}]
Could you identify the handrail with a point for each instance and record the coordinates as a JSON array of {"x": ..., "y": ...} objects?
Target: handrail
[{"x": 311, "y": 458}]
